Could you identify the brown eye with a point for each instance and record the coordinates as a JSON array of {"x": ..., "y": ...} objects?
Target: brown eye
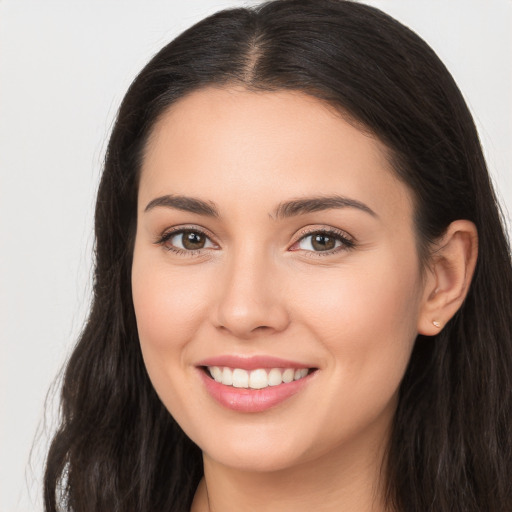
[
  {"x": 192, "y": 240},
  {"x": 187, "y": 240},
  {"x": 323, "y": 242}
]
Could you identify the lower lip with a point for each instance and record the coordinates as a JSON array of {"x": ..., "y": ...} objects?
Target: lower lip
[{"x": 252, "y": 400}]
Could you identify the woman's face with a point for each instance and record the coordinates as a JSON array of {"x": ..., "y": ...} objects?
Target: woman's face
[{"x": 273, "y": 243}]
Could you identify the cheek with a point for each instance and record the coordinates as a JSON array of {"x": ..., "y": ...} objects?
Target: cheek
[
  {"x": 366, "y": 319},
  {"x": 167, "y": 305},
  {"x": 366, "y": 324}
]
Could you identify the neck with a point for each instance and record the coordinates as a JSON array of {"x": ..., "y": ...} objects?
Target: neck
[{"x": 348, "y": 479}]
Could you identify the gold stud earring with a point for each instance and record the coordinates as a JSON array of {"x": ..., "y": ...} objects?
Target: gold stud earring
[{"x": 436, "y": 323}]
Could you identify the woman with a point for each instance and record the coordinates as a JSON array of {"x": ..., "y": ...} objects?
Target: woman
[{"x": 303, "y": 289}]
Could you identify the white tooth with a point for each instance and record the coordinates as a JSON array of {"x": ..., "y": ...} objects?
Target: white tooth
[
  {"x": 275, "y": 377},
  {"x": 258, "y": 379},
  {"x": 240, "y": 378},
  {"x": 304, "y": 372},
  {"x": 216, "y": 373},
  {"x": 288, "y": 375},
  {"x": 227, "y": 376},
  {"x": 297, "y": 375}
]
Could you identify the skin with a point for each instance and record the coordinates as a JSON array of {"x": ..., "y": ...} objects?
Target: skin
[{"x": 258, "y": 287}]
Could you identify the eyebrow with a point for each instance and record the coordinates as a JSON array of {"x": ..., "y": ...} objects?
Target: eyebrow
[
  {"x": 284, "y": 210},
  {"x": 186, "y": 204},
  {"x": 316, "y": 204}
]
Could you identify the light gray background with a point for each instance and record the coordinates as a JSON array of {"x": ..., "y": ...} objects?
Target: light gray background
[{"x": 64, "y": 66}]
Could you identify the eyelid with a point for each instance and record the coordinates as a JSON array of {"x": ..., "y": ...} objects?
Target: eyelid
[
  {"x": 168, "y": 233},
  {"x": 347, "y": 241}
]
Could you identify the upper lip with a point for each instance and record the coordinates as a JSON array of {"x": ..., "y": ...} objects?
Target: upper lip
[{"x": 251, "y": 362}]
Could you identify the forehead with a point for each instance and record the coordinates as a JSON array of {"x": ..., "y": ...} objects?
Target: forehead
[{"x": 232, "y": 145}]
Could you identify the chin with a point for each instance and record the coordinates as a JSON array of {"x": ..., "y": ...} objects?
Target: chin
[
  {"x": 254, "y": 459},
  {"x": 258, "y": 451}
]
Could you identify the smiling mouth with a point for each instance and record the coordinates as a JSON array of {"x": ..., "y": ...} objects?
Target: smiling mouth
[{"x": 260, "y": 378}]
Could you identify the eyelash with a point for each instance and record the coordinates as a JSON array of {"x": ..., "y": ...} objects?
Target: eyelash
[
  {"x": 165, "y": 237},
  {"x": 347, "y": 243}
]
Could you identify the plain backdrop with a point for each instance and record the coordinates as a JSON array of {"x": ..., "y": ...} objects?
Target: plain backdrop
[{"x": 64, "y": 67}]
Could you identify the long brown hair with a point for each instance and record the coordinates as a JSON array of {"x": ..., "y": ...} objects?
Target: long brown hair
[{"x": 119, "y": 449}]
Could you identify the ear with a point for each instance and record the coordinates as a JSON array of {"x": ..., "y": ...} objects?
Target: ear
[{"x": 448, "y": 276}]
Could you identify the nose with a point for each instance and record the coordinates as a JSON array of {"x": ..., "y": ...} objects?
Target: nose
[{"x": 252, "y": 298}]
